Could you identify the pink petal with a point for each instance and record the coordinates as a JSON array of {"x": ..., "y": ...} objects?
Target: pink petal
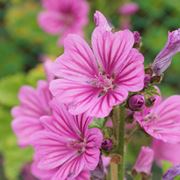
[
  {"x": 165, "y": 125},
  {"x": 100, "y": 20},
  {"x": 70, "y": 169},
  {"x": 78, "y": 60},
  {"x": 111, "y": 49},
  {"x": 24, "y": 128},
  {"x": 131, "y": 72}
]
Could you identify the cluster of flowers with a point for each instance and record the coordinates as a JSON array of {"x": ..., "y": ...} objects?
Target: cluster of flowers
[{"x": 86, "y": 83}]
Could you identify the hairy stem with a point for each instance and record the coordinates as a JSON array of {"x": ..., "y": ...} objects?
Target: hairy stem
[{"x": 121, "y": 143}]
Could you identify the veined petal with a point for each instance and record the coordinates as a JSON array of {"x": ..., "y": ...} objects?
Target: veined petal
[
  {"x": 70, "y": 169},
  {"x": 131, "y": 73},
  {"x": 101, "y": 21},
  {"x": 24, "y": 127},
  {"x": 163, "y": 122},
  {"x": 111, "y": 49},
  {"x": 78, "y": 60}
]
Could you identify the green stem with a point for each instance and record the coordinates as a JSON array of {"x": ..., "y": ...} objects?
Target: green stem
[{"x": 121, "y": 143}]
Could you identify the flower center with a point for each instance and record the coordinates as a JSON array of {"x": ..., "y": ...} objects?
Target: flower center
[
  {"x": 80, "y": 146},
  {"x": 104, "y": 82}
]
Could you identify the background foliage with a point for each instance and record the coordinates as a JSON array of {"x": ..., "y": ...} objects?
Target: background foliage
[{"x": 22, "y": 43}]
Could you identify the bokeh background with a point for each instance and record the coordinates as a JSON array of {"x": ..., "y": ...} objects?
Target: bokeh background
[{"x": 23, "y": 43}]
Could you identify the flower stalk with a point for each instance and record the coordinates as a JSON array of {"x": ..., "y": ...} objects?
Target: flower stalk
[{"x": 121, "y": 143}]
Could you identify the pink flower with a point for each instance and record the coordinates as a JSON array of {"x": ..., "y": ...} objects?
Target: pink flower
[
  {"x": 34, "y": 103},
  {"x": 62, "y": 17},
  {"x": 144, "y": 161},
  {"x": 129, "y": 9},
  {"x": 94, "y": 80},
  {"x": 164, "y": 58},
  {"x": 166, "y": 152},
  {"x": 66, "y": 146},
  {"x": 162, "y": 121}
]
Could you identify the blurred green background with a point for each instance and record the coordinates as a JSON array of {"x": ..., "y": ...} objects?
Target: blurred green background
[{"x": 23, "y": 42}]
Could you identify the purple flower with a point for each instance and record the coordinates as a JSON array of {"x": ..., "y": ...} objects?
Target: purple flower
[
  {"x": 66, "y": 146},
  {"x": 34, "y": 103},
  {"x": 136, "y": 102},
  {"x": 164, "y": 58},
  {"x": 129, "y": 9},
  {"x": 172, "y": 173},
  {"x": 144, "y": 161},
  {"x": 162, "y": 121},
  {"x": 94, "y": 80}
]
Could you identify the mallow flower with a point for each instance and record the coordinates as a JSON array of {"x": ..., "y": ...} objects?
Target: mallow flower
[
  {"x": 61, "y": 17},
  {"x": 144, "y": 161},
  {"x": 34, "y": 103},
  {"x": 166, "y": 152},
  {"x": 92, "y": 81},
  {"x": 164, "y": 58},
  {"x": 66, "y": 146},
  {"x": 162, "y": 121}
]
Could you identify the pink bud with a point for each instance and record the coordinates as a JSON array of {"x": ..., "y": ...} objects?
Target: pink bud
[
  {"x": 128, "y": 9},
  {"x": 107, "y": 144},
  {"x": 144, "y": 161},
  {"x": 164, "y": 58},
  {"x": 136, "y": 102}
]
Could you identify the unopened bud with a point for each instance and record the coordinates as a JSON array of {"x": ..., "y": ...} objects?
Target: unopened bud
[
  {"x": 107, "y": 144},
  {"x": 147, "y": 80},
  {"x": 136, "y": 102}
]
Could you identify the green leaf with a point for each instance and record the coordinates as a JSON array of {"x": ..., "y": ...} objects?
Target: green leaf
[
  {"x": 14, "y": 156},
  {"x": 9, "y": 87},
  {"x": 97, "y": 123},
  {"x": 11, "y": 58},
  {"x": 165, "y": 166}
]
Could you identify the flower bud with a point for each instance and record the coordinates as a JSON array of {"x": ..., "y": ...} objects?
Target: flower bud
[
  {"x": 136, "y": 102},
  {"x": 144, "y": 161},
  {"x": 128, "y": 9},
  {"x": 107, "y": 144},
  {"x": 172, "y": 173},
  {"x": 147, "y": 80},
  {"x": 164, "y": 58}
]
